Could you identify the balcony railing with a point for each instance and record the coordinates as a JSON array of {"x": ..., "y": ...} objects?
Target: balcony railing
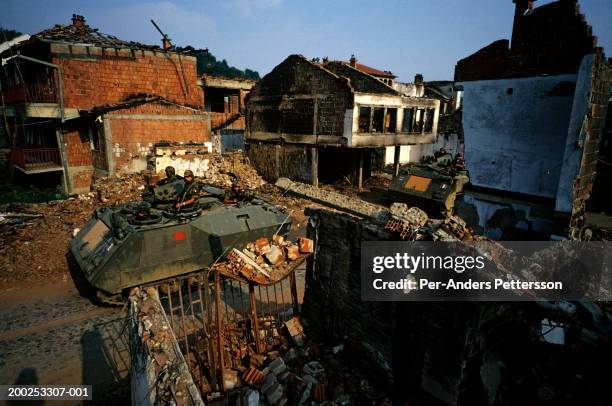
[
  {"x": 36, "y": 159},
  {"x": 31, "y": 93}
]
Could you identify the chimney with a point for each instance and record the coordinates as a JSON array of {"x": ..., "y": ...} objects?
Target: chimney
[
  {"x": 418, "y": 79},
  {"x": 353, "y": 61},
  {"x": 78, "y": 21}
]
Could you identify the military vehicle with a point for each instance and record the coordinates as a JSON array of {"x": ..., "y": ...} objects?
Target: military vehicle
[
  {"x": 432, "y": 185},
  {"x": 143, "y": 242}
]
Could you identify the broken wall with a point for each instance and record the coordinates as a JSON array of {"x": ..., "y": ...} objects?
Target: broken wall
[
  {"x": 515, "y": 132},
  {"x": 123, "y": 141},
  {"x": 461, "y": 353},
  {"x": 552, "y": 41},
  {"x": 94, "y": 76},
  {"x": 300, "y": 98},
  {"x": 160, "y": 374},
  {"x": 273, "y": 161}
]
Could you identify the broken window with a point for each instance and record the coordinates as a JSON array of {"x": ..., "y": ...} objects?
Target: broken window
[
  {"x": 408, "y": 123},
  {"x": 418, "y": 121},
  {"x": 378, "y": 119},
  {"x": 391, "y": 121},
  {"x": 364, "y": 119},
  {"x": 429, "y": 120},
  {"x": 95, "y": 138}
]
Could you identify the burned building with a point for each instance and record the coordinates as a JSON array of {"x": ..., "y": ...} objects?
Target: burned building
[
  {"x": 80, "y": 104},
  {"x": 308, "y": 120},
  {"x": 533, "y": 113},
  {"x": 224, "y": 99}
]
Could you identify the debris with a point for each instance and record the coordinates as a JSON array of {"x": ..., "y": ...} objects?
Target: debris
[
  {"x": 253, "y": 376},
  {"x": 314, "y": 369},
  {"x": 296, "y": 331},
  {"x": 306, "y": 245},
  {"x": 275, "y": 255}
]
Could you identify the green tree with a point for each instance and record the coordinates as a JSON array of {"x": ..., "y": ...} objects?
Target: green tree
[
  {"x": 7, "y": 35},
  {"x": 208, "y": 64}
]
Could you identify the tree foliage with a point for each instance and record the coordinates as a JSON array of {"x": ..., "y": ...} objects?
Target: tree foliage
[
  {"x": 7, "y": 35},
  {"x": 208, "y": 64}
]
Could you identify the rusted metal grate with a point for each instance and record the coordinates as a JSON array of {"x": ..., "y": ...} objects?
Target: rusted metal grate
[{"x": 219, "y": 318}]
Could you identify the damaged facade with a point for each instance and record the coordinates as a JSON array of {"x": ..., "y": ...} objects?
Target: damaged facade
[
  {"x": 308, "y": 120},
  {"x": 82, "y": 104},
  {"x": 225, "y": 101},
  {"x": 533, "y": 114}
]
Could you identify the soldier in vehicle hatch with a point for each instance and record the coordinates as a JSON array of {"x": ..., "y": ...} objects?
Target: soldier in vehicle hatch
[
  {"x": 171, "y": 176},
  {"x": 190, "y": 194}
]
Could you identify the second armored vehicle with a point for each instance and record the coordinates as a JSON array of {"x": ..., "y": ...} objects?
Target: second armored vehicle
[{"x": 433, "y": 185}]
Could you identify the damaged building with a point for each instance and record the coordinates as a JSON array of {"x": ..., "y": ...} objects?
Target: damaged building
[
  {"x": 534, "y": 110},
  {"x": 225, "y": 102},
  {"x": 81, "y": 104},
  {"x": 310, "y": 121}
]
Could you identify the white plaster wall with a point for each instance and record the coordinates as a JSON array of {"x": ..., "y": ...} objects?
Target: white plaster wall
[
  {"x": 516, "y": 142},
  {"x": 575, "y": 137},
  {"x": 414, "y": 153},
  {"x": 351, "y": 116}
]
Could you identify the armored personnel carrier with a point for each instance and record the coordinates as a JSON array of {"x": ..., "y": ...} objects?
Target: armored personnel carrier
[
  {"x": 432, "y": 185},
  {"x": 143, "y": 242}
]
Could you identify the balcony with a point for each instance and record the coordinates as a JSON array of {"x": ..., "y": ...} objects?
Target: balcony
[
  {"x": 36, "y": 160},
  {"x": 31, "y": 93}
]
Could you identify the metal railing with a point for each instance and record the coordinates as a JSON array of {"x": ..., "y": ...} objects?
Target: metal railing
[
  {"x": 31, "y": 93},
  {"x": 218, "y": 318},
  {"x": 36, "y": 158}
]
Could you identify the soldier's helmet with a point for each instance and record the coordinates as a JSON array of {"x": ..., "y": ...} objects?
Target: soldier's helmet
[
  {"x": 143, "y": 209},
  {"x": 170, "y": 171},
  {"x": 188, "y": 173}
]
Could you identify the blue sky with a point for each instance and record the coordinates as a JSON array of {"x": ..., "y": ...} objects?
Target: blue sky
[{"x": 406, "y": 37}]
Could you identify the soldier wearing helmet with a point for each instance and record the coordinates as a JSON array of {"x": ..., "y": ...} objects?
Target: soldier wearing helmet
[
  {"x": 171, "y": 176},
  {"x": 191, "y": 193}
]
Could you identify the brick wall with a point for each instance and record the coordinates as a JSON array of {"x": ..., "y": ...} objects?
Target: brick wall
[
  {"x": 553, "y": 40},
  {"x": 135, "y": 131},
  {"x": 595, "y": 121},
  {"x": 95, "y": 76}
]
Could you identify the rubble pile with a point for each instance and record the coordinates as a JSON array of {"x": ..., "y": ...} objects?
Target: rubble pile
[
  {"x": 220, "y": 168},
  {"x": 298, "y": 371},
  {"x": 412, "y": 223},
  {"x": 265, "y": 261},
  {"x": 34, "y": 238},
  {"x": 335, "y": 200},
  {"x": 156, "y": 347},
  {"x": 118, "y": 189}
]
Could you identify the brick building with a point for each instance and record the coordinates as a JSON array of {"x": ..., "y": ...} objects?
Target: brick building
[
  {"x": 533, "y": 113},
  {"x": 81, "y": 104},
  {"x": 308, "y": 120}
]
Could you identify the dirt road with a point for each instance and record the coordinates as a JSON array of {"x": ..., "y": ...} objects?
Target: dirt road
[{"x": 52, "y": 335}]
